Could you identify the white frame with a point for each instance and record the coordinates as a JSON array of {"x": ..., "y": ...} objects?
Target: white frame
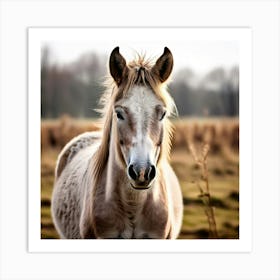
[{"x": 263, "y": 19}]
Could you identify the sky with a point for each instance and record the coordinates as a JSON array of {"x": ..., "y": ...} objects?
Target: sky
[{"x": 199, "y": 55}]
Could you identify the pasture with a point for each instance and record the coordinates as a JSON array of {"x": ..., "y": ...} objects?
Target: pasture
[{"x": 222, "y": 135}]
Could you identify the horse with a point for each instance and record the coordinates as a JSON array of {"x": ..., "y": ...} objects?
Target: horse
[{"x": 117, "y": 183}]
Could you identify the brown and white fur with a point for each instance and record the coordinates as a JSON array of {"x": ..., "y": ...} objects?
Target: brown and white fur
[{"x": 118, "y": 183}]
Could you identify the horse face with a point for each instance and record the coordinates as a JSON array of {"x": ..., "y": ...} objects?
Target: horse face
[
  {"x": 139, "y": 117},
  {"x": 139, "y": 124}
]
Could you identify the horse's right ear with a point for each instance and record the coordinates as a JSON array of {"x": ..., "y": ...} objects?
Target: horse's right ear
[{"x": 118, "y": 68}]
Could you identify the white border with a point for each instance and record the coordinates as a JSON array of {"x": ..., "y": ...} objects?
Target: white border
[
  {"x": 37, "y": 36},
  {"x": 262, "y": 262}
]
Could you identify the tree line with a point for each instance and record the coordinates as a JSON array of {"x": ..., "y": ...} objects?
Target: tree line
[{"x": 75, "y": 88}]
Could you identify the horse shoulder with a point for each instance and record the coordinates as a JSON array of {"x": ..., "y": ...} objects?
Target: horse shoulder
[
  {"x": 86, "y": 219},
  {"x": 73, "y": 147},
  {"x": 70, "y": 189}
]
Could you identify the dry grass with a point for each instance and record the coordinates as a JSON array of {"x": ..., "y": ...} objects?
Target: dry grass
[
  {"x": 57, "y": 133},
  {"x": 205, "y": 195},
  {"x": 221, "y": 169}
]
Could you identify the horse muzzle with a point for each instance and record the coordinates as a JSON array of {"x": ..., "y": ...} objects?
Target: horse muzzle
[{"x": 141, "y": 176}]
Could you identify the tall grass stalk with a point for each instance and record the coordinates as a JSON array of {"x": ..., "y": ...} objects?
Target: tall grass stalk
[{"x": 205, "y": 195}]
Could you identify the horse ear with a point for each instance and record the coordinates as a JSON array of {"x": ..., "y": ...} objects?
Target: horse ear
[
  {"x": 163, "y": 67},
  {"x": 118, "y": 67}
]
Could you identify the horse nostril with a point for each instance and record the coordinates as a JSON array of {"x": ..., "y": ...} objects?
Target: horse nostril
[
  {"x": 131, "y": 172},
  {"x": 152, "y": 173}
]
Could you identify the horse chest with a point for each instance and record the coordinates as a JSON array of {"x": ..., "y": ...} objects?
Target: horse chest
[
  {"x": 132, "y": 221},
  {"x": 146, "y": 222}
]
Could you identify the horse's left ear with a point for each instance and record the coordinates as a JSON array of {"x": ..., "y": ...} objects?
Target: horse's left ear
[
  {"x": 163, "y": 67},
  {"x": 118, "y": 68}
]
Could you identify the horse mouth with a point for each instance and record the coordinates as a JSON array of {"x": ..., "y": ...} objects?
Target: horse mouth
[{"x": 139, "y": 187}]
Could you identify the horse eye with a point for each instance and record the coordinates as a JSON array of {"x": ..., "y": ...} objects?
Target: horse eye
[
  {"x": 162, "y": 116},
  {"x": 119, "y": 116}
]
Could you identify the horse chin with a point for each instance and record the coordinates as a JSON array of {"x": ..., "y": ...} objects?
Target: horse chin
[{"x": 140, "y": 188}]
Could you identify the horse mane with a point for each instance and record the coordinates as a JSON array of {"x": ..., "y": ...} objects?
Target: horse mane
[{"x": 139, "y": 74}]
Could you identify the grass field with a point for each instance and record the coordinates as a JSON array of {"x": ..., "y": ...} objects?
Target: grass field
[{"x": 223, "y": 164}]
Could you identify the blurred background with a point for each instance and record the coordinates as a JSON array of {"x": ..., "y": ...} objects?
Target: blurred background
[
  {"x": 205, "y": 87},
  {"x": 205, "y": 83}
]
